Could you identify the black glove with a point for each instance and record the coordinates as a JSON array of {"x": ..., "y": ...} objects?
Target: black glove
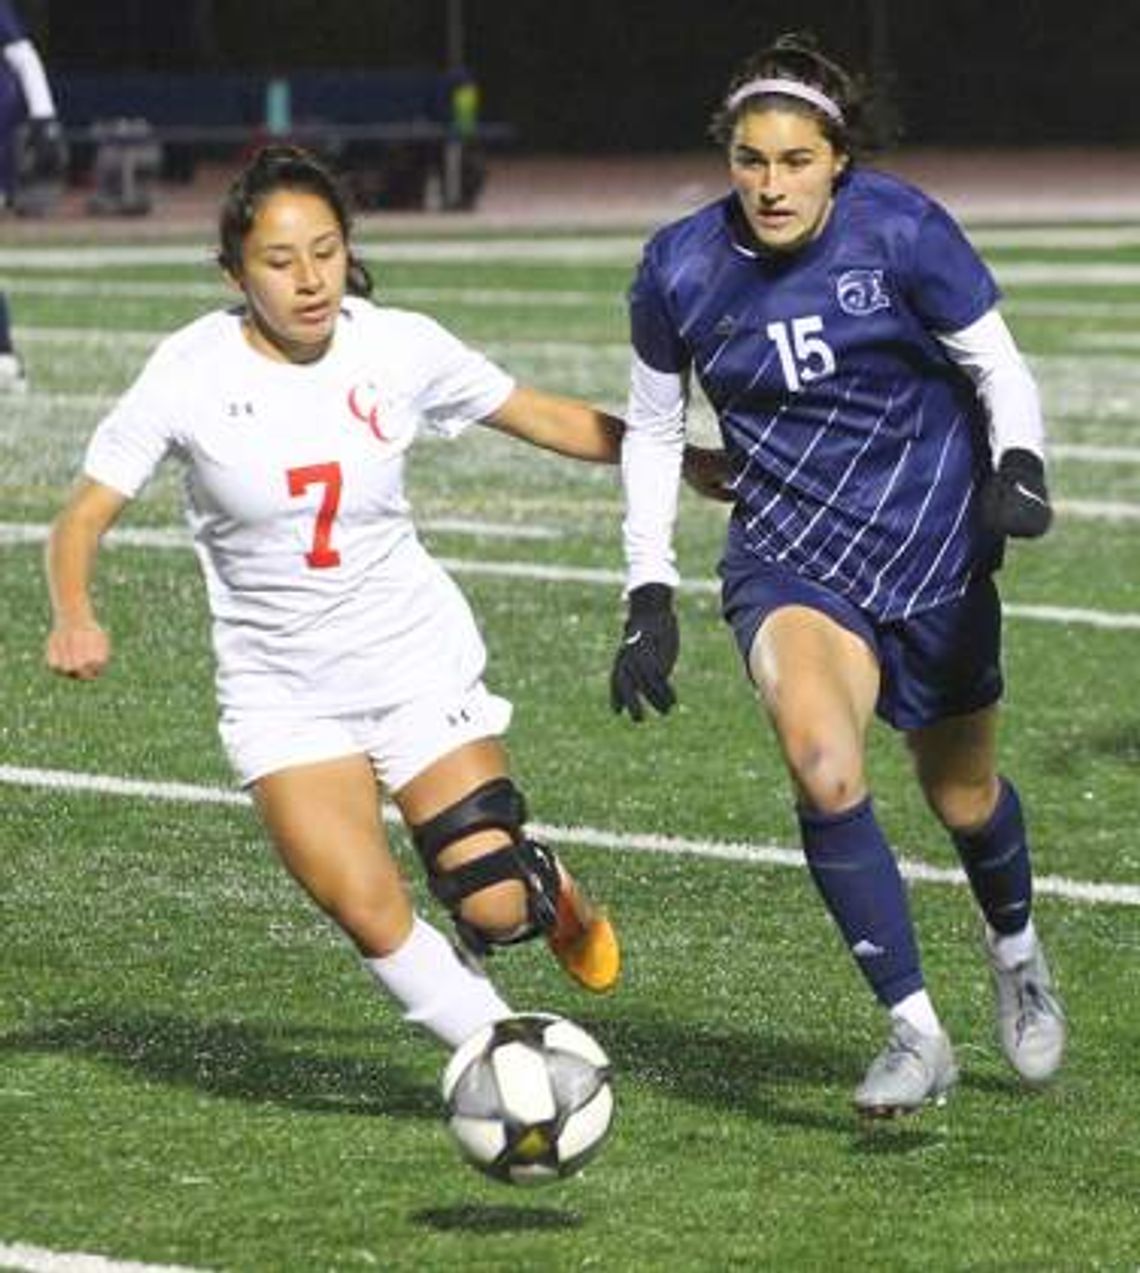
[
  {"x": 647, "y": 653},
  {"x": 1014, "y": 500},
  {"x": 44, "y": 151}
]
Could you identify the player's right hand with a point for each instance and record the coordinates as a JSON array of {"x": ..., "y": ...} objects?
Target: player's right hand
[
  {"x": 647, "y": 654},
  {"x": 707, "y": 472},
  {"x": 1015, "y": 499},
  {"x": 46, "y": 149},
  {"x": 79, "y": 652}
]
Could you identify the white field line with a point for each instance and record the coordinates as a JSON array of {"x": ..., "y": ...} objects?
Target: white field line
[
  {"x": 481, "y": 297},
  {"x": 1097, "y": 510},
  {"x": 1053, "y": 236},
  {"x": 178, "y": 537},
  {"x": 1066, "y": 273},
  {"x": 169, "y": 537},
  {"x": 1105, "y": 341},
  {"x": 36, "y": 1259},
  {"x": 600, "y": 249},
  {"x": 1042, "y": 307},
  {"x": 1093, "y": 454},
  {"x": 492, "y": 297},
  {"x": 618, "y": 841}
]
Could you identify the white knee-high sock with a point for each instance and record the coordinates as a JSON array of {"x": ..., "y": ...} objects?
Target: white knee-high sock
[{"x": 436, "y": 989}]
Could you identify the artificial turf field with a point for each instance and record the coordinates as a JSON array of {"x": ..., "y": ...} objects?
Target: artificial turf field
[{"x": 193, "y": 1069}]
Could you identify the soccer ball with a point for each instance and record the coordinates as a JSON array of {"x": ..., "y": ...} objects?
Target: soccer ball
[{"x": 529, "y": 1099}]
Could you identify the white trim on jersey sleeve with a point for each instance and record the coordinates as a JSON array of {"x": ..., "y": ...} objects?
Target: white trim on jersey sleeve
[
  {"x": 29, "y": 70},
  {"x": 651, "y": 472},
  {"x": 988, "y": 354}
]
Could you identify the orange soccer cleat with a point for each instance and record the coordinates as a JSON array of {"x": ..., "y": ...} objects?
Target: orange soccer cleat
[{"x": 584, "y": 941}]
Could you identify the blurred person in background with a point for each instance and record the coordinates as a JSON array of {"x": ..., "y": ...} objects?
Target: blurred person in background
[
  {"x": 31, "y": 146},
  {"x": 882, "y": 437},
  {"x": 349, "y": 665}
]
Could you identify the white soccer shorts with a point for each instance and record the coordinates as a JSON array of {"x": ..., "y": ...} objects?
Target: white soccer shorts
[{"x": 400, "y": 741}]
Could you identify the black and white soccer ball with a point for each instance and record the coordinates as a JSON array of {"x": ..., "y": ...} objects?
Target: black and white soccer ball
[{"x": 529, "y": 1099}]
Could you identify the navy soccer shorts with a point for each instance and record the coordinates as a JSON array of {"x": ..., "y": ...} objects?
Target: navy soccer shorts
[{"x": 942, "y": 662}]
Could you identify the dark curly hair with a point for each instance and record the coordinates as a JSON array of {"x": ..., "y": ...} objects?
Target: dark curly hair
[
  {"x": 281, "y": 167},
  {"x": 796, "y": 56}
]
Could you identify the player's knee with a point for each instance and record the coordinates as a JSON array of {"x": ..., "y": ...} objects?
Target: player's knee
[
  {"x": 503, "y": 893},
  {"x": 498, "y": 911},
  {"x": 828, "y": 776},
  {"x": 962, "y": 805}
]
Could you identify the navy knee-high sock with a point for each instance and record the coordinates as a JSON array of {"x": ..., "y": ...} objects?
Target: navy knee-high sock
[
  {"x": 996, "y": 860},
  {"x": 858, "y": 878},
  {"x": 5, "y": 331}
]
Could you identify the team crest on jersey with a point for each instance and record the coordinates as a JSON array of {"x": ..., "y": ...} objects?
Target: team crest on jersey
[
  {"x": 861, "y": 292},
  {"x": 364, "y": 403}
]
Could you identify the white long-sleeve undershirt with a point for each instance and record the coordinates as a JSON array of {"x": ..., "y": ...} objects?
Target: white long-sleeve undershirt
[
  {"x": 651, "y": 472},
  {"x": 26, "y": 65},
  {"x": 986, "y": 352}
]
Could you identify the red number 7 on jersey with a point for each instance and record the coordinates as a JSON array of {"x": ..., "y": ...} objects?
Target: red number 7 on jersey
[{"x": 322, "y": 554}]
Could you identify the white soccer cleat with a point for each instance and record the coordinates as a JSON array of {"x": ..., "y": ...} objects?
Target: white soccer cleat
[
  {"x": 1030, "y": 1019},
  {"x": 12, "y": 376},
  {"x": 913, "y": 1070}
]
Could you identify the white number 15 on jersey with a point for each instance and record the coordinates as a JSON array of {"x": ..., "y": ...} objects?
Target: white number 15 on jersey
[{"x": 804, "y": 356}]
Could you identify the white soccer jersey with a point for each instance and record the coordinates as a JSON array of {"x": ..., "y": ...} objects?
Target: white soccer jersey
[{"x": 322, "y": 597}]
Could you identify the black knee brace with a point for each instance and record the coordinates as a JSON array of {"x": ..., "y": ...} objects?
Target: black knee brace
[{"x": 497, "y": 803}]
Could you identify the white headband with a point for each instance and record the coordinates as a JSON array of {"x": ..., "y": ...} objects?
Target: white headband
[{"x": 789, "y": 88}]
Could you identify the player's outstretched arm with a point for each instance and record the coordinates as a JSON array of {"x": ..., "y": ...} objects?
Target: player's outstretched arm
[
  {"x": 77, "y": 646},
  {"x": 566, "y": 425}
]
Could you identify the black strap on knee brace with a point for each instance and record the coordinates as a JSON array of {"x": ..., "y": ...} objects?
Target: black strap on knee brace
[{"x": 497, "y": 803}]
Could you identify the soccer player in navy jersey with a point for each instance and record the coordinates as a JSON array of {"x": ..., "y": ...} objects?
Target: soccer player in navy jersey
[
  {"x": 25, "y": 101},
  {"x": 882, "y": 437}
]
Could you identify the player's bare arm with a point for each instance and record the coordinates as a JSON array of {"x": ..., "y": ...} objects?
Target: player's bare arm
[
  {"x": 77, "y": 645},
  {"x": 565, "y": 425}
]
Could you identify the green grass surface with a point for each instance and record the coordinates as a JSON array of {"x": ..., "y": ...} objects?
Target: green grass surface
[{"x": 194, "y": 1071}]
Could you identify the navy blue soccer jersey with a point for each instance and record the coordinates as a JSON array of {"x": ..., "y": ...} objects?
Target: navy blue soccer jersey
[
  {"x": 11, "y": 28},
  {"x": 857, "y": 447}
]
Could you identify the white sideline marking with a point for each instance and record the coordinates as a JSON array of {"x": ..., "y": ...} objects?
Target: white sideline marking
[
  {"x": 601, "y": 249},
  {"x": 170, "y": 537},
  {"x": 35, "y": 1259},
  {"x": 177, "y": 537},
  {"x": 1094, "y": 454},
  {"x": 626, "y": 842},
  {"x": 481, "y": 297},
  {"x": 491, "y": 297},
  {"x": 1097, "y": 510},
  {"x": 1054, "y": 236},
  {"x": 1069, "y": 273}
]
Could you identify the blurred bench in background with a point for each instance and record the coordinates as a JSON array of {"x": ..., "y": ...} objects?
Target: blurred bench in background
[{"x": 401, "y": 138}]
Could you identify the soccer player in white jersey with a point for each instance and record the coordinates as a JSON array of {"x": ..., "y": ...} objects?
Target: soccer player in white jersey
[
  {"x": 346, "y": 656},
  {"x": 882, "y": 437},
  {"x": 27, "y": 104}
]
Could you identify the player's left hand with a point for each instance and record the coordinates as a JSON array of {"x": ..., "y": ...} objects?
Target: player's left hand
[
  {"x": 1015, "y": 500},
  {"x": 647, "y": 654}
]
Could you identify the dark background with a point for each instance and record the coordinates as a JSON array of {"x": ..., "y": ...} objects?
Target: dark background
[{"x": 641, "y": 75}]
